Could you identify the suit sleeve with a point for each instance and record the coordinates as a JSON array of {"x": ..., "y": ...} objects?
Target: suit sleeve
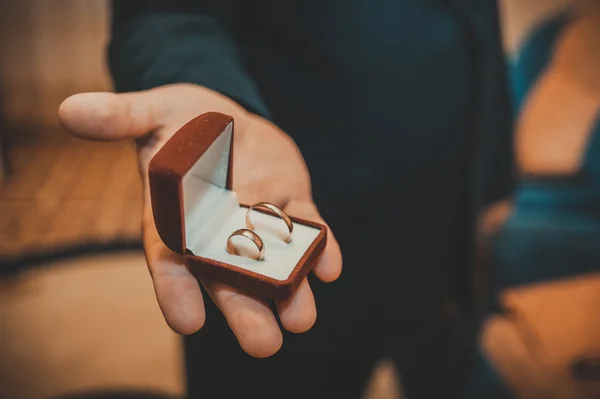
[{"x": 154, "y": 43}]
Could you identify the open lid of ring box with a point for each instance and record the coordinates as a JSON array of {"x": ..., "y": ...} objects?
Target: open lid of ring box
[{"x": 195, "y": 210}]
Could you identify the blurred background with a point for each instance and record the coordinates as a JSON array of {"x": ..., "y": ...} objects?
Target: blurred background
[
  {"x": 52, "y": 50},
  {"x": 77, "y": 310}
]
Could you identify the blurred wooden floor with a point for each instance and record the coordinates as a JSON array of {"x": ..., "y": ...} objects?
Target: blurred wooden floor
[
  {"x": 85, "y": 325},
  {"x": 62, "y": 194}
]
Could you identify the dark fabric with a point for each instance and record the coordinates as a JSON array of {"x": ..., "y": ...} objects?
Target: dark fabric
[
  {"x": 487, "y": 383},
  {"x": 157, "y": 42},
  {"x": 402, "y": 112}
]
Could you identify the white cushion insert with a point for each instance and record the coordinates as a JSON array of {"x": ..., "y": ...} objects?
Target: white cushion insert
[{"x": 280, "y": 258}]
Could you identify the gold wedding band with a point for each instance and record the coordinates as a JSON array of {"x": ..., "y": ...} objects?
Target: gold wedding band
[
  {"x": 274, "y": 209},
  {"x": 252, "y": 236}
]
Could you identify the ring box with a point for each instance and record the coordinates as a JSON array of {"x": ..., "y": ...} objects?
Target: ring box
[{"x": 195, "y": 210}]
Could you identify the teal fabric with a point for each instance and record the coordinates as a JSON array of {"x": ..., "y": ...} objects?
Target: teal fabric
[
  {"x": 554, "y": 230},
  {"x": 556, "y": 224},
  {"x": 533, "y": 57}
]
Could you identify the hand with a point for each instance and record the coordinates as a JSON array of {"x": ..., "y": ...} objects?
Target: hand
[{"x": 268, "y": 167}]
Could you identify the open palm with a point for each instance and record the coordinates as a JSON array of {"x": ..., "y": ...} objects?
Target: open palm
[{"x": 268, "y": 167}]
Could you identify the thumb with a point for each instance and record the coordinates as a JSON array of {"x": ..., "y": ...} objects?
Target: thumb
[
  {"x": 109, "y": 116},
  {"x": 329, "y": 266}
]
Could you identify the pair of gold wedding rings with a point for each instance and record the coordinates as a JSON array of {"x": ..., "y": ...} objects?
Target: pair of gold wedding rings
[{"x": 251, "y": 235}]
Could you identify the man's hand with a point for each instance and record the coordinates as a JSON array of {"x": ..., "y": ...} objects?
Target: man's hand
[{"x": 268, "y": 167}]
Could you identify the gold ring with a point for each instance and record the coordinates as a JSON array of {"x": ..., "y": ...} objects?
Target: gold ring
[
  {"x": 276, "y": 210},
  {"x": 252, "y": 236}
]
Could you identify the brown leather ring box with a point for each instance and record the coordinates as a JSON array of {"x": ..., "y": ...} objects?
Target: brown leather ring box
[{"x": 195, "y": 210}]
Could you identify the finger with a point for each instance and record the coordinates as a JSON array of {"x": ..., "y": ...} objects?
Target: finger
[
  {"x": 298, "y": 313},
  {"x": 110, "y": 116},
  {"x": 250, "y": 319},
  {"x": 329, "y": 266},
  {"x": 177, "y": 290}
]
